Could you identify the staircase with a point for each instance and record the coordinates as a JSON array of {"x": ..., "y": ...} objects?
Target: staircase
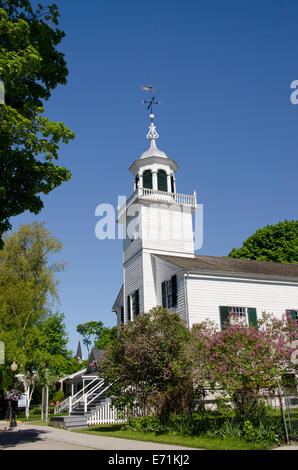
[{"x": 81, "y": 405}]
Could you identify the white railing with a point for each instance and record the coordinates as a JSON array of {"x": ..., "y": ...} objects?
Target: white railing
[
  {"x": 160, "y": 196},
  {"x": 106, "y": 414},
  {"x": 79, "y": 396},
  {"x": 164, "y": 196},
  {"x": 63, "y": 406},
  {"x": 93, "y": 391}
]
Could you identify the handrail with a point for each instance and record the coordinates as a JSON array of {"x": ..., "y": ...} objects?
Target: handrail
[
  {"x": 184, "y": 199},
  {"x": 80, "y": 395},
  {"x": 99, "y": 385},
  {"x": 63, "y": 405},
  {"x": 166, "y": 196},
  {"x": 86, "y": 403}
]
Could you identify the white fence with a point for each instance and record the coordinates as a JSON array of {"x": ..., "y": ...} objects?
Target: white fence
[{"x": 106, "y": 414}]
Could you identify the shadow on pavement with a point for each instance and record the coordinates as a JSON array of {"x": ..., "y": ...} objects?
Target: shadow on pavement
[{"x": 19, "y": 436}]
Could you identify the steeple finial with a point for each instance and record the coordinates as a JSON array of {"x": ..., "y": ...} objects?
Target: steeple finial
[{"x": 152, "y": 134}]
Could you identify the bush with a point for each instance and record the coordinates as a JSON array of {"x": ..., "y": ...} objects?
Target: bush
[
  {"x": 268, "y": 430},
  {"x": 145, "y": 424},
  {"x": 35, "y": 411},
  {"x": 58, "y": 396}
]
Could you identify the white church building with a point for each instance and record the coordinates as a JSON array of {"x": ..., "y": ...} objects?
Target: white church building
[{"x": 160, "y": 266}]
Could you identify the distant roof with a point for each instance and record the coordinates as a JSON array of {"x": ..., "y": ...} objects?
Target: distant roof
[
  {"x": 72, "y": 376},
  {"x": 233, "y": 265},
  {"x": 97, "y": 354}
]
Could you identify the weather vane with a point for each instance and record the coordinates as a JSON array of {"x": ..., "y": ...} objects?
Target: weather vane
[{"x": 151, "y": 102}]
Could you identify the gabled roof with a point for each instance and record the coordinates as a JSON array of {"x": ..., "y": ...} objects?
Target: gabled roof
[
  {"x": 233, "y": 265},
  {"x": 119, "y": 300},
  {"x": 73, "y": 376}
]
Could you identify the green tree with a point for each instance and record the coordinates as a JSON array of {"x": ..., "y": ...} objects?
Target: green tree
[
  {"x": 91, "y": 329},
  {"x": 53, "y": 328},
  {"x": 147, "y": 365},
  {"x": 106, "y": 337},
  {"x": 278, "y": 243},
  {"x": 30, "y": 68},
  {"x": 33, "y": 336}
]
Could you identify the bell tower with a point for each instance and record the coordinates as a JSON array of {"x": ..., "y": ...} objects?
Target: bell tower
[{"x": 156, "y": 220}]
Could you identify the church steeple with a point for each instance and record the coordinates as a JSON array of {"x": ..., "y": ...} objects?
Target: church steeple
[
  {"x": 156, "y": 220},
  {"x": 154, "y": 170}
]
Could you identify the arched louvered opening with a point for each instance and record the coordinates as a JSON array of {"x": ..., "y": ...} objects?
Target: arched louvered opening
[
  {"x": 147, "y": 179},
  {"x": 162, "y": 181}
]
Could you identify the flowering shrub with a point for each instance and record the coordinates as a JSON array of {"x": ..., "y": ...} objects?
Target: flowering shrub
[
  {"x": 241, "y": 360},
  {"x": 147, "y": 365}
]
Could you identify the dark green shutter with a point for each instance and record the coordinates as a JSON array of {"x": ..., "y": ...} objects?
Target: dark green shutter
[
  {"x": 128, "y": 308},
  {"x": 122, "y": 315},
  {"x": 174, "y": 290},
  {"x": 164, "y": 294},
  {"x": 224, "y": 313},
  {"x": 137, "y": 302},
  {"x": 162, "y": 181},
  {"x": 147, "y": 179},
  {"x": 252, "y": 317},
  {"x": 293, "y": 314}
]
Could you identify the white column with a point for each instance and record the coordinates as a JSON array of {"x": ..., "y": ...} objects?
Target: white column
[
  {"x": 141, "y": 181},
  {"x": 169, "y": 183},
  {"x": 154, "y": 180}
]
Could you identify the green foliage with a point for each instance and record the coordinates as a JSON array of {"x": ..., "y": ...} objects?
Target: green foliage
[
  {"x": 145, "y": 424},
  {"x": 31, "y": 67},
  {"x": 242, "y": 360},
  {"x": 269, "y": 431},
  {"x": 147, "y": 364},
  {"x": 53, "y": 327},
  {"x": 105, "y": 338},
  {"x": 89, "y": 330},
  {"x": 58, "y": 396},
  {"x": 36, "y": 411},
  {"x": 33, "y": 336},
  {"x": 278, "y": 243}
]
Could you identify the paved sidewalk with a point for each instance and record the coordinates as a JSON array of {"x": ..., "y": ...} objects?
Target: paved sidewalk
[{"x": 35, "y": 437}]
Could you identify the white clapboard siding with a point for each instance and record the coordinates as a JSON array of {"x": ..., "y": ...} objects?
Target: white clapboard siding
[
  {"x": 130, "y": 248},
  {"x": 133, "y": 280},
  {"x": 207, "y": 293},
  {"x": 166, "y": 230}
]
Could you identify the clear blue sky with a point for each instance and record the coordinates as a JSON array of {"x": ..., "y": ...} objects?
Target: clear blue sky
[{"x": 223, "y": 70}]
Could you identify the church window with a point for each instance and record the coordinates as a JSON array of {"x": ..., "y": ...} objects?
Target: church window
[
  {"x": 162, "y": 181},
  {"x": 147, "y": 179},
  {"x": 169, "y": 292},
  {"x": 248, "y": 315}
]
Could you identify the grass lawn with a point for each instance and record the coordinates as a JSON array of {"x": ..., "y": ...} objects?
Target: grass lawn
[{"x": 200, "y": 442}]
